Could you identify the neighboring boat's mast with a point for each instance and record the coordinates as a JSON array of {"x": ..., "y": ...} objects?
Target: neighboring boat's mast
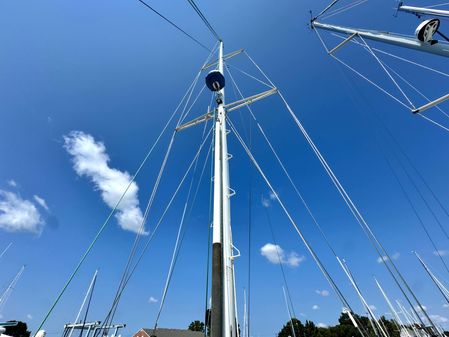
[
  {"x": 223, "y": 317},
  {"x": 441, "y": 49},
  {"x": 5, "y": 250},
  {"x": 89, "y": 290},
  {"x": 393, "y": 311},
  {"x": 10, "y": 288},
  {"x": 444, "y": 291},
  {"x": 424, "y": 11},
  {"x": 289, "y": 313}
]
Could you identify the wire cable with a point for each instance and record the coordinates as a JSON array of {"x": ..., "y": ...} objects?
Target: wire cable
[
  {"x": 174, "y": 25},
  {"x": 206, "y": 22},
  {"x": 377, "y": 245}
]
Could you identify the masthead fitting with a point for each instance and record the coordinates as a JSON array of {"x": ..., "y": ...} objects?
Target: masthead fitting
[{"x": 215, "y": 80}]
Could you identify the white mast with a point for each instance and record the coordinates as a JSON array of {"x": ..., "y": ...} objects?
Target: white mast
[
  {"x": 424, "y": 11},
  {"x": 5, "y": 250},
  {"x": 89, "y": 290},
  {"x": 223, "y": 320},
  {"x": 441, "y": 49},
  {"x": 8, "y": 291}
]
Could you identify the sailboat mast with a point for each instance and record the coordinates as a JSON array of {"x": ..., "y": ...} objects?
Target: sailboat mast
[{"x": 223, "y": 311}]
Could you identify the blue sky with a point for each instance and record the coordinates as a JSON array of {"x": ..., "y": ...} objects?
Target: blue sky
[{"x": 115, "y": 72}]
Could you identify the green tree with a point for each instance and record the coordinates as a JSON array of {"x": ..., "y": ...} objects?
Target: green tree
[
  {"x": 287, "y": 330},
  {"x": 196, "y": 326}
]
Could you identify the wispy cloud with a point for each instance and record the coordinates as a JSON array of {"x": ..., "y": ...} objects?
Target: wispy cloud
[
  {"x": 91, "y": 160},
  {"x": 439, "y": 319},
  {"x": 445, "y": 305},
  {"x": 152, "y": 300},
  {"x": 321, "y": 325},
  {"x": 315, "y": 307},
  {"x": 372, "y": 307},
  {"x": 41, "y": 202},
  {"x": 323, "y": 292},
  {"x": 266, "y": 201},
  {"x": 29, "y": 316},
  {"x": 18, "y": 214},
  {"x": 275, "y": 254},
  {"x": 384, "y": 258},
  {"x": 441, "y": 252},
  {"x": 12, "y": 183}
]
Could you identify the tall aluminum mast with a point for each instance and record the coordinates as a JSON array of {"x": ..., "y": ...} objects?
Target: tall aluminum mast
[
  {"x": 223, "y": 311},
  {"x": 424, "y": 11},
  {"x": 441, "y": 49}
]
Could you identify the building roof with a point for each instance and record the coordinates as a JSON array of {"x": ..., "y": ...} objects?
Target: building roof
[{"x": 173, "y": 333}]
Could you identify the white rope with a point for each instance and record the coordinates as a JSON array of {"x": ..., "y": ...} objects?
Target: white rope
[
  {"x": 181, "y": 225},
  {"x": 438, "y": 5},
  {"x": 416, "y": 89},
  {"x": 295, "y": 226},
  {"x": 344, "y": 9},
  {"x": 249, "y": 75},
  {"x": 397, "y": 57},
  {"x": 287, "y": 174},
  {"x": 354, "y": 210},
  {"x": 126, "y": 274},
  {"x": 371, "y": 82},
  {"x": 386, "y": 71},
  {"x": 360, "y": 74},
  {"x": 193, "y": 103},
  {"x": 433, "y": 122}
]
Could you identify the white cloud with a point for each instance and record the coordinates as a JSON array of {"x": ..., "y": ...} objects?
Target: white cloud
[
  {"x": 384, "y": 258},
  {"x": 372, "y": 307},
  {"x": 439, "y": 319},
  {"x": 321, "y": 325},
  {"x": 323, "y": 292},
  {"x": 315, "y": 307},
  {"x": 90, "y": 159},
  {"x": 19, "y": 215},
  {"x": 41, "y": 202},
  {"x": 272, "y": 196},
  {"x": 275, "y": 254},
  {"x": 12, "y": 183},
  {"x": 418, "y": 308},
  {"x": 265, "y": 202},
  {"x": 152, "y": 300},
  {"x": 445, "y": 305},
  {"x": 29, "y": 316},
  {"x": 441, "y": 252}
]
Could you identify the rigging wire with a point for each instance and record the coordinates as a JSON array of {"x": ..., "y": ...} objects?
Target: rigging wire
[
  {"x": 187, "y": 98},
  {"x": 155, "y": 229},
  {"x": 402, "y": 187},
  {"x": 206, "y": 22},
  {"x": 179, "y": 238},
  {"x": 344, "y": 9},
  {"x": 295, "y": 226},
  {"x": 379, "y": 87},
  {"x": 295, "y": 187},
  {"x": 380, "y": 249},
  {"x": 397, "y": 57},
  {"x": 174, "y": 25},
  {"x": 332, "y": 4},
  {"x": 287, "y": 288},
  {"x": 111, "y": 213},
  {"x": 387, "y": 72}
]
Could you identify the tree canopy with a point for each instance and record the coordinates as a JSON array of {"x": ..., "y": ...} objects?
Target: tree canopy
[
  {"x": 344, "y": 328},
  {"x": 196, "y": 326}
]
